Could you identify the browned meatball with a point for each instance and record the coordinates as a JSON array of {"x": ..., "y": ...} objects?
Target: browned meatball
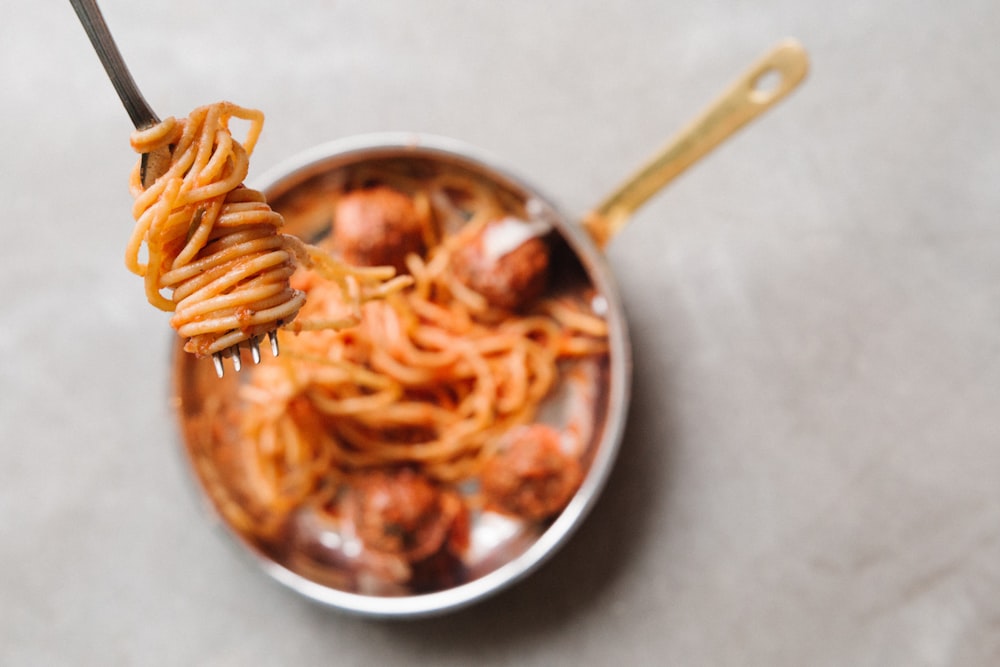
[
  {"x": 530, "y": 476},
  {"x": 405, "y": 514},
  {"x": 377, "y": 226},
  {"x": 507, "y": 277}
]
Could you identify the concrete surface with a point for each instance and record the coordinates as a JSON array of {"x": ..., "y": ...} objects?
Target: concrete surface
[{"x": 811, "y": 474}]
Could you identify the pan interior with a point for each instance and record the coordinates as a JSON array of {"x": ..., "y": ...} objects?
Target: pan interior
[{"x": 591, "y": 391}]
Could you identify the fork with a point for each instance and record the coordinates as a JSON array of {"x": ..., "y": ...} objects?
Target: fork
[
  {"x": 234, "y": 351},
  {"x": 154, "y": 164}
]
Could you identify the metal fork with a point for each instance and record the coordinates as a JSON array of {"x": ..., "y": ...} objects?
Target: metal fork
[
  {"x": 253, "y": 343},
  {"x": 155, "y": 163}
]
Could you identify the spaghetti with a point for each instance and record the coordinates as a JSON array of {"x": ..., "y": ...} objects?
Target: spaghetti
[
  {"x": 429, "y": 380},
  {"x": 214, "y": 244}
]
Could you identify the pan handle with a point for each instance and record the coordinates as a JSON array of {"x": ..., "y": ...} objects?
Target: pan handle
[{"x": 766, "y": 82}]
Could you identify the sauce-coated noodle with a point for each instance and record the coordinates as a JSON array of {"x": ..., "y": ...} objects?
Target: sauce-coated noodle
[
  {"x": 429, "y": 380},
  {"x": 214, "y": 245}
]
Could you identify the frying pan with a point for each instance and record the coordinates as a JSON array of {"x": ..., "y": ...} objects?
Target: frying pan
[{"x": 503, "y": 556}]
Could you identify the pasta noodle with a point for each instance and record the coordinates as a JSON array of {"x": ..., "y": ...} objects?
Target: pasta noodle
[
  {"x": 214, "y": 244},
  {"x": 430, "y": 378}
]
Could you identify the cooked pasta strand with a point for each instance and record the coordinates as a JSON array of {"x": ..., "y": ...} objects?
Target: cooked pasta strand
[{"x": 214, "y": 253}]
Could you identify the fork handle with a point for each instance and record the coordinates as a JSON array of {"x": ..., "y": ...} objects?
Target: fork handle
[
  {"x": 747, "y": 98},
  {"x": 138, "y": 109}
]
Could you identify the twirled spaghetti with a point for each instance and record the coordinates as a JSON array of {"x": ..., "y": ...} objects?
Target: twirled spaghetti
[{"x": 214, "y": 243}]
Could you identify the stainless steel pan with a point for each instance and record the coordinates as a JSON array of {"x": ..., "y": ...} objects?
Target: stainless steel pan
[{"x": 581, "y": 266}]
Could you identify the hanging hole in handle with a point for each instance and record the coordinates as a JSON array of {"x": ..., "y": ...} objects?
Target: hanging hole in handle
[{"x": 766, "y": 85}]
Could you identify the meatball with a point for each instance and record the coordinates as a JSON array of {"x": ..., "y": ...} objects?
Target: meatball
[
  {"x": 377, "y": 226},
  {"x": 507, "y": 262},
  {"x": 403, "y": 513},
  {"x": 531, "y": 476}
]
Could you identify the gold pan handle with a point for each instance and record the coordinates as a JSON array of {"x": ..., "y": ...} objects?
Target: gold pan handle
[{"x": 767, "y": 81}]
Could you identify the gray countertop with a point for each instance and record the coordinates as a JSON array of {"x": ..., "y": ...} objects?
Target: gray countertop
[{"x": 811, "y": 470}]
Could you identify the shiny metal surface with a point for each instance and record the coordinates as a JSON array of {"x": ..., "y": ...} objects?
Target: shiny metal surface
[{"x": 503, "y": 561}]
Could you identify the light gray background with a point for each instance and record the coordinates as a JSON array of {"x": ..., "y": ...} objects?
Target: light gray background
[{"x": 811, "y": 473}]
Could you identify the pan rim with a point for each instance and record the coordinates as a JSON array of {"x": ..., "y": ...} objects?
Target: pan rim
[{"x": 319, "y": 158}]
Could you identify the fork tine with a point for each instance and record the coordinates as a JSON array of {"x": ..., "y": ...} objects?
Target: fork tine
[
  {"x": 234, "y": 351},
  {"x": 220, "y": 370}
]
